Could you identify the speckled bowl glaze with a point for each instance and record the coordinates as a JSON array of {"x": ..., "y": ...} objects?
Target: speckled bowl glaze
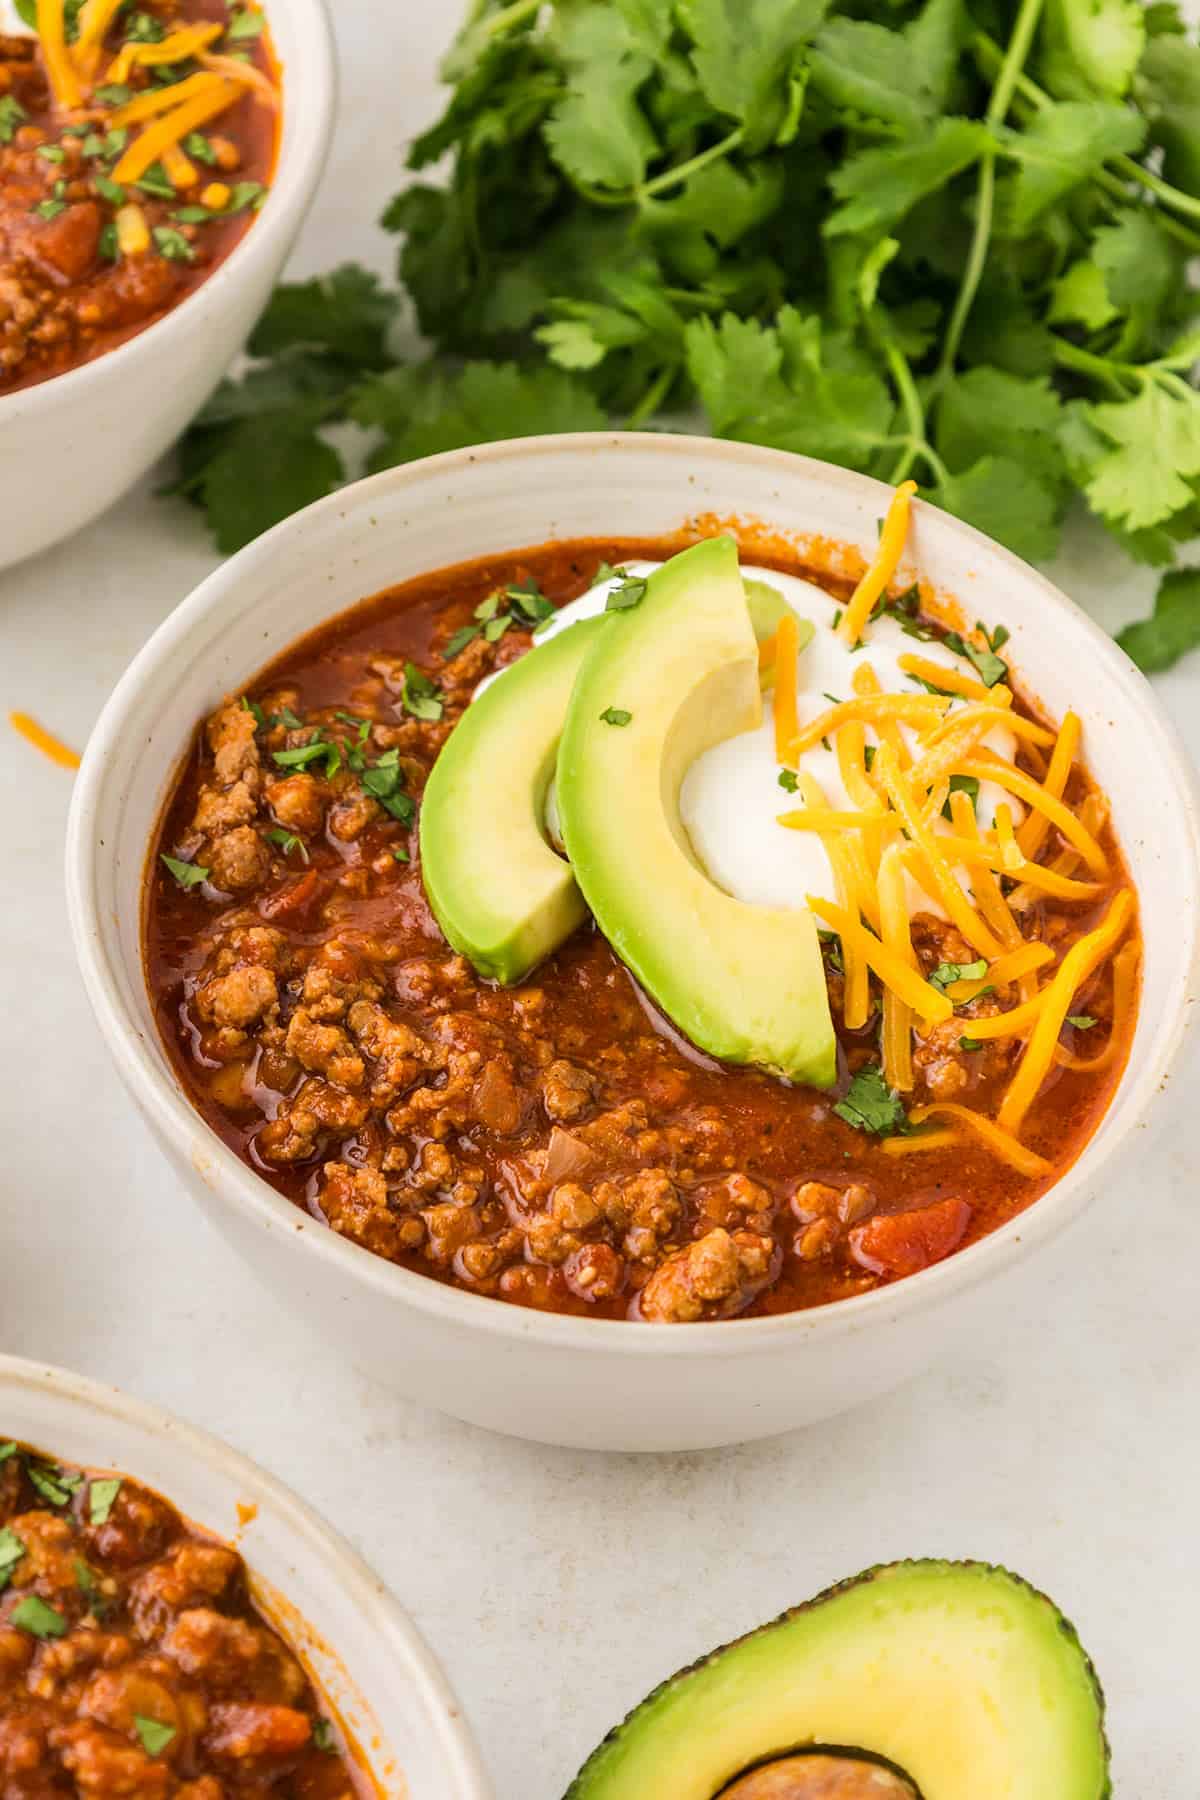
[
  {"x": 72, "y": 445},
  {"x": 358, "y": 1644},
  {"x": 596, "y": 1383}
]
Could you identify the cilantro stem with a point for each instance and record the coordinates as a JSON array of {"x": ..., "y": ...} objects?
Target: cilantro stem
[
  {"x": 988, "y": 55},
  {"x": 914, "y": 412},
  {"x": 653, "y": 397},
  {"x": 1002, "y": 93},
  {"x": 1101, "y": 368},
  {"x": 671, "y": 177},
  {"x": 508, "y": 15}
]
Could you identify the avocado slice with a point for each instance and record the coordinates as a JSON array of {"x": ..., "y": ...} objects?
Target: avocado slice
[
  {"x": 501, "y": 895},
  {"x": 668, "y": 679},
  {"x": 960, "y": 1675}
]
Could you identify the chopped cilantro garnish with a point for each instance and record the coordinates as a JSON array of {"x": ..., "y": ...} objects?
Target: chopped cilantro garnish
[
  {"x": 401, "y": 854},
  {"x": 102, "y": 1496},
  {"x": 144, "y": 28},
  {"x": 970, "y": 1043},
  {"x": 287, "y": 718},
  {"x": 1081, "y": 1021},
  {"x": 422, "y": 697},
  {"x": 187, "y": 874},
  {"x": 495, "y": 628},
  {"x": 11, "y": 114},
  {"x": 530, "y": 601},
  {"x": 155, "y": 182},
  {"x": 114, "y": 93},
  {"x": 108, "y": 190},
  {"x": 245, "y": 24},
  {"x": 831, "y": 944},
  {"x": 154, "y": 1735},
  {"x": 7, "y": 1450},
  {"x": 616, "y": 715},
  {"x": 52, "y": 153},
  {"x": 287, "y": 841},
  {"x": 11, "y": 1551},
  {"x": 108, "y": 245},
  {"x": 88, "y": 1586},
  {"x": 868, "y": 756},
  {"x": 173, "y": 245},
  {"x": 789, "y": 781},
  {"x": 631, "y": 592},
  {"x": 48, "y": 1482},
  {"x": 246, "y": 194},
  {"x": 252, "y": 706},
  {"x": 870, "y": 1105},
  {"x": 323, "y": 1736},
  {"x": 318, "y": 749},
  {"x": 606, "y": 572},
  {"x": 37, "y": 1618},
  {"x": 947, "y": 973},
  {"x": 197, "y": 145},
  {"x": 49, "y": 209},
  {"x": 990, "y": 667},
  {"x": 193, "y": 215},
  {"x": 385, "y": 783}
]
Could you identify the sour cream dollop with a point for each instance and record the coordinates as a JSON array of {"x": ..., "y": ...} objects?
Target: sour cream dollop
[{"x": 731, "y": 800}]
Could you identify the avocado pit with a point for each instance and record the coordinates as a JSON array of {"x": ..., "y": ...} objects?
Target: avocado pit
[{"x": 815, "y": 1776}]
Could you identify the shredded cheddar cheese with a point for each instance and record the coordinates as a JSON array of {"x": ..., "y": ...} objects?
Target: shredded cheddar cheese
[
  {"x": 1124, "y": 982},
  {"x": 1032, "y": 834},
  {"x": 787, "y": 652},
  {"x": 987, "y": 767},
  {"x": 955, "y": 681},
  {"x": 1000, "y": 1142},
  {"x": 245, "y": 74},
  {"x": 1080, "y": 961},
  {"x": 912, "y": 988},
  {"x": 44, "y": 740},
  {"x": 157, "y": 100},
  {"x": 1009, "y": 967},
  {"x": 1010, "y": 851},
  {"x": 875, "y": 581},
  {"x": 918, "y": 1141},
  {"x": 168, "y": 129},
  {"x": 61, "y": 71},
  {"x": 946, "y": 888},
  {"x": 177, "y": 46},
  {"x": 897, "y": 938},
  {"x": 181, "y": 173},
  {"x": 909, "y": 709},
  {"x": 95, "y": 17}
]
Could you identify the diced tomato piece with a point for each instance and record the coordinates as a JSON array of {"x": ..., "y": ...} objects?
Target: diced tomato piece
[
  {"x": 904, "y": 1243},
  {"x": 290, "y": 903}
]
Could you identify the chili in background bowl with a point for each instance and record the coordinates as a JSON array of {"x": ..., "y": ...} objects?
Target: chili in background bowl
[
  {"x": 585, "y": 1382},
  {"x": 72, "y": 444},
  {"x": 355, "y": 1642}
]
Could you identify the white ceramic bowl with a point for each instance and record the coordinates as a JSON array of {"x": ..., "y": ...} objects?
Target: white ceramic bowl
[
  {"x": 108, "y": 420},
  {"x": 596, "y": 1383},
  {"x": 357, "y": 1643}
]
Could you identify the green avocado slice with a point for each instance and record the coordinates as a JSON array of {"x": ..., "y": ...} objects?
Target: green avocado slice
[
  {"x": 501, "y": 895},
  {"x": 960, "y": 1675},
  {"x": 668, "y": 679}
]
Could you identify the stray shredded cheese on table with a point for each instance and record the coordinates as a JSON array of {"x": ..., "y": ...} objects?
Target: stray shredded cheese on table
[{"x": 44, "y": 740}]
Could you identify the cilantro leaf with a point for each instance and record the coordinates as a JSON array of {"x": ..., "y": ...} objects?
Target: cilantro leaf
[
  {"x": 863, "y": 69},
  {"x": 12, "y": 1549},
  {"x": 423, "y": 410},
  {"x": 616, "y": 715},
  {"x": 878, "y": 187},
  {"x": 789, "y": 781},
  {"x": 947, "y": 973},
  {"x": 1090, "y": 47},
  {"x": 422, "y": 697},
  {"x": 1138, "y": 261},
  {"x": 1158, "y": 642},
  {"x": 870, "y": 1105},
  {"x": 630, "y": 593},
  {"x": 1081, "y": 1021},
  {"x": 187, "y": 874},
  {"x": 747, "y": 54},
  {"x": 250, "y": 475},
  {"x": 37, "y": 1618},
  {"x": 597, "y": 131},
  {"x": 152, "y": 1733},
  {"x": 102, "y": 1497},
  {"x": 347, "y": 313},
  {"x": 1008, "y": 501},
  {"x": 1059, "y": 150},
  {"x": 1155, "y": 436}
]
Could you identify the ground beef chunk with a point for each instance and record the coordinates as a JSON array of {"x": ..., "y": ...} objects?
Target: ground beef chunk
[
  {"x": 566, "y": 1092},
  {"x": 190, "y": 1573},
  {"x": 715, "y": 1278},
  {"x": 324, "y": 1050},
  {"x": 297, "y": 803},
  {"x": 355, "y": 1202},
  {"x": 239, "y": 860}
]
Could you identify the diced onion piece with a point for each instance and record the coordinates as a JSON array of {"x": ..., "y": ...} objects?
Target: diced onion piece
[{"x": 883, "y": 566}]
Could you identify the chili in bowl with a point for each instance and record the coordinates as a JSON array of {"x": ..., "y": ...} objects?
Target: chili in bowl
[
  {"x": 155, "y": 164},
  {"x": 174, "y": 1622},
  {"x": 635, "y": 1089}
]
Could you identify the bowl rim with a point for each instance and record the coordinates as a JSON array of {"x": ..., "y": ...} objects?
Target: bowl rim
[
  {"x": 299, "y": 166},
  {"x": 306, "y": 1531},
  {"x": 235, "y": 1184}
]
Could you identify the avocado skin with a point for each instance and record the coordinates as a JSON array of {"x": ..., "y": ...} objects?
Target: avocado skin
[{"x": 578, "y": 1789}]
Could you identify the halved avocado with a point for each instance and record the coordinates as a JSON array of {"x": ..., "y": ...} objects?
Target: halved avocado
[
  {"x": 499, "y": 892},
  {"x": 960, "y": 1676},
  {"x": 668, "y": 679}
]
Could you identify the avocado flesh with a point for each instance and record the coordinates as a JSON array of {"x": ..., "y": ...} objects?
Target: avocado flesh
[
  {"x": 959, "y": 1674},
  {"x": 501, "y": 895},
  {"x": 744, "y": 983}
]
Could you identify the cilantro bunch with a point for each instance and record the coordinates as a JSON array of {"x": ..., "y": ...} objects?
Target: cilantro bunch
[{"x": 939, "y": 238}]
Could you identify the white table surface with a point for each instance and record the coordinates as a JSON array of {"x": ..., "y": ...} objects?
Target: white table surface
[{"x": 558, "y": 1587}]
